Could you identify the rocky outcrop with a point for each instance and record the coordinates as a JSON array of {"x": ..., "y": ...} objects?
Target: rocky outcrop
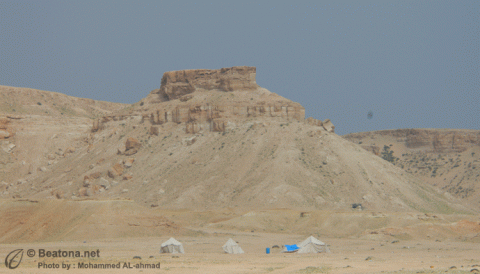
[
  {"x": 313, "y": 122},
  {"x": 327, "y": 124},
  {"x": 154, "y": 131},
  {"x": 211, "y": 100},
  {"x": 5, "y": 130},
  {"x": 197, "y": 117},
  {"x": 97, "y": 125},
  {"x": 433, "y": 140},
  {"x": 176, "y": 84}
]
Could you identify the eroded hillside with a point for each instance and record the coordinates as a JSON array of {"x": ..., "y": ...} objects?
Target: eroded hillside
[
  {"x": 444, "y": 158},
  {"x": 212, "y": 139}
]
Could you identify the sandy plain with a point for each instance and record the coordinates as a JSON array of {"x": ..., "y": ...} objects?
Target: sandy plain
[{"x": 205, "y": 255}]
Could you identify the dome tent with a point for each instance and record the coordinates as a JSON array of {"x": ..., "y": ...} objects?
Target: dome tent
[
  {"x": 312, "y": 245},
  {"x": 172, "y": 246},
  {"x": 231, "y": 247}
]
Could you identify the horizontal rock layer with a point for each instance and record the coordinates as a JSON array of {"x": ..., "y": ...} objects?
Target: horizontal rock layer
[
  {"x": 178, "y": 83},
  {"x": 435, "y": 140}
]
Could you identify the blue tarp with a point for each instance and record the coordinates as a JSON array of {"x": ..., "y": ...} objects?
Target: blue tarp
[{"x": 291, "y": 247}]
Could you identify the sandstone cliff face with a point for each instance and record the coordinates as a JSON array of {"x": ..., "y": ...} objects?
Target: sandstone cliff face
[
  {"x": 197, "y": 117},
  {"x": 175, "y": 84}
]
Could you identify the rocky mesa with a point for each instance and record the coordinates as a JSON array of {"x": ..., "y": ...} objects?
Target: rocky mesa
[{"x": 212, "y": 100}]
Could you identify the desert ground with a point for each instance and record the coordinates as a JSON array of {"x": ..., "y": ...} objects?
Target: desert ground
[{"x": 203, "y": 254}]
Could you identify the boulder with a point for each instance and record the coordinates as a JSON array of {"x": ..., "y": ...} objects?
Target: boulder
[
  {"x": 132, "y": 145},
  {"x": 328, "y": 126},
  {"x": 115, "y": 170},
  {"x": 4, "y": 134}
]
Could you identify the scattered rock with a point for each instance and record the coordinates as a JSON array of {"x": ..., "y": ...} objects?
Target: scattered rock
[
  {"x": 86, "y": 182},
  {"x": 357, "y": 206},
  {"x": 95, "y": 175},
  {"x": 128, "y": 162},
  {"x": 8, "y": 148},
  {"x": 369, "y": 258},
  {"x": 190, "y": 141},
  {"x": 127, "y": 177},
  {"x": 59, "y": 194},
  {"x": 115, "y": 170},
  {"x": 69, "y": 150},
  {"x": 137, "y": 257},
  {"x": 104, "y": 183},
  {"x": 84, "y": 192},
  {"x": 124, "y": 190}
]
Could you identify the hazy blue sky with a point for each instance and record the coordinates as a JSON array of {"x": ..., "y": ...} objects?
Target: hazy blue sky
[{"x": 414, "y": 64}]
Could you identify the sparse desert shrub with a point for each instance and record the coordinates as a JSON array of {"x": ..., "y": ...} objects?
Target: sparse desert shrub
[{"x": 387, "y": 154}]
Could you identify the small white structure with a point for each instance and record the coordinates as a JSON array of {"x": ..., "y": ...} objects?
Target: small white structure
[
  {"x": 312, "y": 245},
  {"x": 231, "y": 247},
  {"x": 172, "y": 246}
]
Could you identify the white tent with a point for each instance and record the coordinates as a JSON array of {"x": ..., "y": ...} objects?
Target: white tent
[
  {"x": 312, "y": 245},
  {"x": 231, "y": 247},
  {"x": 172, "y": 246}
]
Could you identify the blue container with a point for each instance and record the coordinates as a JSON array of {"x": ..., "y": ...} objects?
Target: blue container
[{"x": 268, "y": 250}]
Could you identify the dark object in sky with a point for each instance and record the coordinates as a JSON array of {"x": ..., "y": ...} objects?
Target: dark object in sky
[{"x": 370, "y": 114}]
